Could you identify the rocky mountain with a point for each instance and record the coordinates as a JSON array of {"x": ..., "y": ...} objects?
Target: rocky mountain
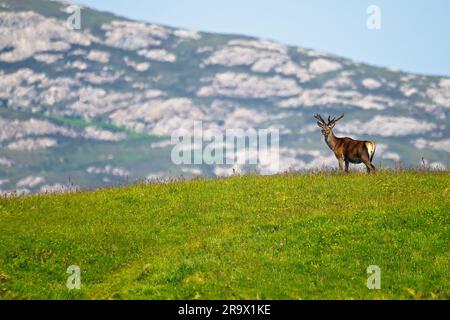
[{"x": 97, "y": 106}]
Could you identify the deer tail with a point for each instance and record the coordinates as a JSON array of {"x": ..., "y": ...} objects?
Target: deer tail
[{"x": 371, "y": 147}]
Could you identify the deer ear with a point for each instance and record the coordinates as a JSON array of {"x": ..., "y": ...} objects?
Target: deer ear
[
  {"x": 319, "y": 124},
  {"x": 332, "y": 125}
]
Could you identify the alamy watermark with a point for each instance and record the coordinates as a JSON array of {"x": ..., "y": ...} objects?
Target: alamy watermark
[
  {"x": 74, "y": 280},
  {"x": 235, "y": 147},
  {"x": 374, "y": 279},
  {"x": 374, "y": 20},
  {"x": 74, "y": 20}
]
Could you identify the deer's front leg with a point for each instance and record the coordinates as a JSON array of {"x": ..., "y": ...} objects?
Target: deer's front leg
[{"x": 341, "y": 164}]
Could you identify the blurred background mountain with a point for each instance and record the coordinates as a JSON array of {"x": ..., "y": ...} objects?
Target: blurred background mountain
[{"x": 96, "y": 106}]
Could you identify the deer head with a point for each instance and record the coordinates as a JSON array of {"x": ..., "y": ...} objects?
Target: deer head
[{"x": 327, "y": 126}]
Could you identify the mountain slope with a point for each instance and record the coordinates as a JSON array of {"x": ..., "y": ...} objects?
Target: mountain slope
[{"x": 97, "y": 106}]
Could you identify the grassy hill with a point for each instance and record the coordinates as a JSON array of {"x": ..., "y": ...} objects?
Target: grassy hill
[{"x": 251, "y": 237}]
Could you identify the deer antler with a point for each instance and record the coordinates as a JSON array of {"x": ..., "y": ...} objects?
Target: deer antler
[
  {"x": 319, "y": 117},
  {"x": 339, "y": 118},
  {"x": 334, "y": 119}
]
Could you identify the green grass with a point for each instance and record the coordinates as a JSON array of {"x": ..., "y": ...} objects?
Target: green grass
[{"x": 308, "y": 236}]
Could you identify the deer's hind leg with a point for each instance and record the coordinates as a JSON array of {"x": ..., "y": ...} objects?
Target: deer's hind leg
[{"x": 366, "y": 160}]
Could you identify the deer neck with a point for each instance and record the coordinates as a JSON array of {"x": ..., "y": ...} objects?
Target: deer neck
[{"x": 331, "y": 140}]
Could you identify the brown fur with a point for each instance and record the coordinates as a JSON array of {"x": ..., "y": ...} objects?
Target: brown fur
[{"x": 346, "y": 149}]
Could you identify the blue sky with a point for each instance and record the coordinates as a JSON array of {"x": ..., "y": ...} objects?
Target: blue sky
[{"x": 414, "y": 35}]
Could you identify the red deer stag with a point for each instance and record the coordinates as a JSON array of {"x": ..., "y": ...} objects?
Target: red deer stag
[{"x": 346, "y": 149}]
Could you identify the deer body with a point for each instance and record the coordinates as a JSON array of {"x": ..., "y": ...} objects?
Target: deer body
[{"x": 346, "y": 149}]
